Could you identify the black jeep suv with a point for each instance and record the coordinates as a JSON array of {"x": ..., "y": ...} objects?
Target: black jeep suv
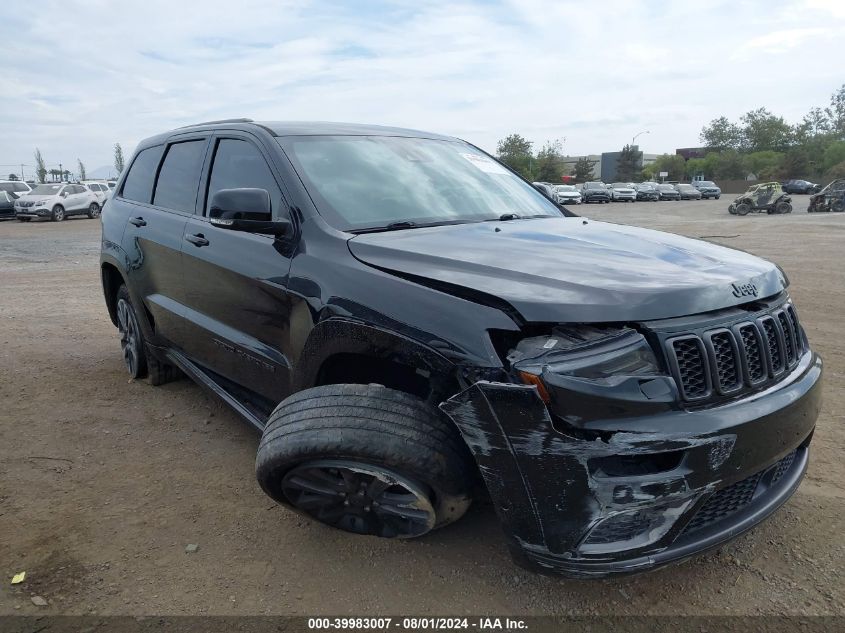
[{"x": 406, "y": 320}]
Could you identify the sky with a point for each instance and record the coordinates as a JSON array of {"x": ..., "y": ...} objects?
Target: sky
[{"x": 81, "y": 76}]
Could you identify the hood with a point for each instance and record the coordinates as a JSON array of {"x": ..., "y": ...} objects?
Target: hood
[{"x": 571, "y": 269}]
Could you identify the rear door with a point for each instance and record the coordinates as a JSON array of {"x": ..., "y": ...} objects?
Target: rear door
[
  {"x": 237, "y": 307},
  {"x": 161, "y": 189}
]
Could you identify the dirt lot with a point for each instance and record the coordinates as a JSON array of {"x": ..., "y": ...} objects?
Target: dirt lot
[{"x": 104, "y": 481}]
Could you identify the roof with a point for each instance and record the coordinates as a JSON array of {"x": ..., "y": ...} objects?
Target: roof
[{"x": 308, "y": 128}]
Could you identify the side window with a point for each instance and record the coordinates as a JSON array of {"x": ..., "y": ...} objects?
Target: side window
[
  {"x": 19, "y": 186},
  {"x": 138, "y": 185},
  {"x": 179, "y": 177},
  {"x": 239, "y": 165},
  {"x": 78, "y": 189}
]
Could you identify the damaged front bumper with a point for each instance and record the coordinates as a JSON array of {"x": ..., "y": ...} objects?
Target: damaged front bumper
[{"x": 627, "y": 494}]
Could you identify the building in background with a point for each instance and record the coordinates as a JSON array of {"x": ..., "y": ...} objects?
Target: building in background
[{"x": 595, "y": 161}]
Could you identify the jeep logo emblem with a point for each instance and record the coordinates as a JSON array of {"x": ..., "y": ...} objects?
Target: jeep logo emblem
[{"x": 744, "y": 290}]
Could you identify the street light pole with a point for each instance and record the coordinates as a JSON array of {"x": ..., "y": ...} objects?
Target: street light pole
[{"x": 634, "y": 140}]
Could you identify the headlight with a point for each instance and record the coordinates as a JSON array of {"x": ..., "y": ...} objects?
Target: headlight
[{"x": 601, "y": 355}]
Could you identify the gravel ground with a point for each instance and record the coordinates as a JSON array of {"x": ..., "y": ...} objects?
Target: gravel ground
[{"x": 104, "y": 482}]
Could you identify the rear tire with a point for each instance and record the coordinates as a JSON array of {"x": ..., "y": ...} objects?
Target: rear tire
[
  {"x": 838, "y": 206},
  {"x": 783, "y": 207},
  {"x": 366, "y": 459},
  {"x": 136, "y": 356}
]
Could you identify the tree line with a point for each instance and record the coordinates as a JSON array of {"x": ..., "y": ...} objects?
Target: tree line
[
  {"x": 58, "y": 175},
  {"x": 759, "y": 143}
]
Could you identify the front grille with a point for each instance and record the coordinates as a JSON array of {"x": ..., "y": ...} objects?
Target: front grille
[
  {"x": 728, "y": 360},
  {"x": 735, "y": 497}
]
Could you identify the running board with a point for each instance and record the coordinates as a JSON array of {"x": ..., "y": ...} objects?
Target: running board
[{"x": 210, "y": 385}]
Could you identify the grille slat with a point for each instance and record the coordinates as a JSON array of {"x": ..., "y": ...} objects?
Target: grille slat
[
  {"x": 725, "y": 360},
  {"x": 755, "y": 362}
]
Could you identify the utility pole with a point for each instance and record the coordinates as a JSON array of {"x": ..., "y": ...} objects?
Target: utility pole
[{"x": 61, "y": 174}]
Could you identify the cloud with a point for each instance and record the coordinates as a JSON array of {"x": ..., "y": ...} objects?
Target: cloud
[{"x": 594, "y": 73}]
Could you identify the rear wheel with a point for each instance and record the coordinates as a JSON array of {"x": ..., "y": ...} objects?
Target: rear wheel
[
  {"x": 743, "y": 208},
  {"x": 139, "y": 362},
  {"x": 783, "y": 207},
  {"x": 94, "y": 211},
  {"x": 838, "y": 206},
  {"x": 58, "y": 213},
  {"x": 366, "y": 459}
]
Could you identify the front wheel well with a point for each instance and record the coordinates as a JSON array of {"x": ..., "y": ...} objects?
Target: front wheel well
[{"x": 361, "y": 369}]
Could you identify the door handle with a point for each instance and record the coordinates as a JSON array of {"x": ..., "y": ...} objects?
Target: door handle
[
  {"x": 138, "y": 221},
  {"x": 198, "y": 239}
]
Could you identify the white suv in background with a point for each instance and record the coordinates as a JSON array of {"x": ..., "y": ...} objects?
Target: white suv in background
[
  {"x": 15, "y": 188},
  {"x": 100, "y": 189},
  {"x": 57, "y": 201}
]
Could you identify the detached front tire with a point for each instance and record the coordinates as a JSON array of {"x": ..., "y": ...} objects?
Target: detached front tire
[{"x": 366, "y": 459}]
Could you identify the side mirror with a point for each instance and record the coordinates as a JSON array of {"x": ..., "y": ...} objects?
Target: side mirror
[
  {"x": 64, "y": 194},
  {"x": 245, "y": 210}
]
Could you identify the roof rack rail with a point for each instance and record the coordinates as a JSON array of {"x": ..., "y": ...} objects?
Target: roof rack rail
[{"x": 216, "y": 122}]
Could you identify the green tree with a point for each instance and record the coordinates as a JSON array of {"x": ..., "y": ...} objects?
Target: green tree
[
  {"x": 40, "y": 168},
  {"x": 583, "y": 169},
  {"x": 118, "y": 158},
  {"x": 81, "y": 168},
  {"x": 837, "y": 171},
  {"x": 796, "y": 163},
  {"x": 721, "y": 134},
  {"x": 728, "y": 165},
  {"x": 766, "y": 165},
  {"x": 762, "y": 131},
  {"x": 836, "y": 111},
  {"x": 672, "y": 163},
  {"x": 550, "y": 165},
  {"x": 833, "y": 155},
  {"x": 629, "y": 164},
  {"x": 695, "y": 167}
]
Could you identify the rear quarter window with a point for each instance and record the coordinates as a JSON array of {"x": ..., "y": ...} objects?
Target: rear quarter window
[{"x": 138, "y": 185}]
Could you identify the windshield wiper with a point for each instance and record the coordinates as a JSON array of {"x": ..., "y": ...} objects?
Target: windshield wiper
[
  {"x": 404, "y": 224},
  {"x": 515, "y": 216}
]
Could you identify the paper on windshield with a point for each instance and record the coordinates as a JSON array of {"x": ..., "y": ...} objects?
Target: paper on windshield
[{"x": 484, "y": 164}]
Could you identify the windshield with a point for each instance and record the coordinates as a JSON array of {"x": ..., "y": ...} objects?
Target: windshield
[
  {"x": 621, "y": 185},
  {"x": 646, "y": 186},
  {"x": 360, "y": 182},
  {"x": 46, "y": 190},
  {"x": 666, "y": 187},
  {"x": 594, "y": 185},
  {"x": 562, "y": 188},
  {"x": 685, "y": 187},
  {"x": 706, "y": 183}
]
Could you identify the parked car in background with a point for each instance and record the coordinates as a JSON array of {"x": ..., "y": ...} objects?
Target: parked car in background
[
  {"x": 15, "y": 188},
  {"x": 831, "y": 198},
  {"x": 100, "y": 189},
  {"x": 595, "y": 192},
  {"x": 567, "y": 194},
  {"x": 708, "y": 189},
  {"x": 547, "y": 188},
  {"x": 647, "y": 191},
  {"x": 622, "y": 192},
  {"x": 667, "y": 192},
  {"x": 800, "y": 186},
  {"x": 111, "y": 183},
  {"x": 7, "y": 205},
  {"x": 688, "y": 192},
  {"x": 56, "y": 202}
]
